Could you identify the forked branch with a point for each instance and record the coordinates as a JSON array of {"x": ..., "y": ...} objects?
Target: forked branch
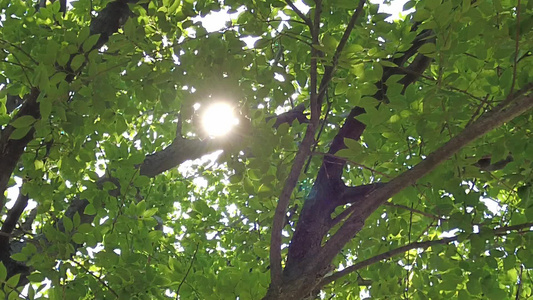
[
  {"x": 330, "y": 70},
  {"x": 305, "y": 147},
  {"x": 375, "y": 199}
]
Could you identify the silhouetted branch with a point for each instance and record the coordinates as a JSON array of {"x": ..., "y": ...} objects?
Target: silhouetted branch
[
  {"x": 15, "y": 212},
  {"x": 306, "y": 19},
  {"x": 188, "y": 270}
]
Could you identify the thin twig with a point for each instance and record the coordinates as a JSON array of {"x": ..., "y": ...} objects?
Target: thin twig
[
  {"x": 385, "y": 255},
  {"x": 407, "y": 270},
  {"x": 330, "y": 70},
  {"x": 519, "y": 283},
  {"x": 413, "y": 210},
  {"x": 23, "y": 71},
  {"x": 516, "y": 49},
  {"x": 96, "y": 277},
  {"x": 411, "y": 72},
  {"x": 21, "y": 50},
  {"x": 295, "y": 37},
  {"x": 281, "y": 20},
  {"x": 188, "y": 270},
  {"x": 16, "y": 64},
  {"x": 319, "y": 133},
  {"x": 352, "y": 162},
  {"x": 478, "y": 109},
  {"x": 403, "y": 249}
]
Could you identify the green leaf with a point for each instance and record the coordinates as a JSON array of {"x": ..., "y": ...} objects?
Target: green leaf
[
  {"x": 427, "y": 48},
  {"x": 141, "y": 181},
  {"x": 45, "y": 107},
  {"x": 52, "y": 49},
  {"x": 23, "y": 121},
  {"x": 525, "y": 195},
  {"x": 77, "y": 62},
  {"x": 140, "y": 207},
  {"x": 39, "y": 165},
  {"x": 89, "y": 210},
  {"x": 3, "y": 271},
  {"x": 341, "y": 88},
  {"x": 83, "y": 34},
  {"x": 473, "y": 287},
  {"x": 63, "y": 58},
  {"x": 353, "y": 144},
  {"x": 76, "y": 219},
  {"x": 329, "y": 42},
  {"x": 19, "y": 133},
  {"x": 387, "y": 63},
  {"x": 150, "y": 212},
  {"x": 408, "y": 5},
  {"x": 13, "y": 281},
  {"x": 85, "y": 228},
  {"x": 90, "y": 42},
  {"x": 19, "y": 257},
  {"x": 78, "y": 238},
  {"x": 67, "y": 222}
]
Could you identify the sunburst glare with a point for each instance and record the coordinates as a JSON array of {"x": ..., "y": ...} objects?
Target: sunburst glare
[{"x": 218, "y": 119}]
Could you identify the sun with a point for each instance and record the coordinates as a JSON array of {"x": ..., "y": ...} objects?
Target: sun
[{"x": 218, "y": 119}]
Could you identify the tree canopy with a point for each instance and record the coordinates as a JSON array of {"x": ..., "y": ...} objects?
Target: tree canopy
[{"x": 374, "y": 156}]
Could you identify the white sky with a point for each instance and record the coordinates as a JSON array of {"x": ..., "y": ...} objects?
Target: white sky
[{"x": 217, "y": 20}]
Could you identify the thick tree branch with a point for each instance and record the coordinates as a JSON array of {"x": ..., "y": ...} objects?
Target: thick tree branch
[
  {"x": 281, "y": 209},
  {"x": 352, "y": 128},
  {"x": 13, "y": 267},
  {"x": 375, "y": 199},
  {"x": 109, "y": 20},
  {"x": 304, "y": 149},
  {"x": 332, "y": 165},
  {"x": 296, "y": 113},
  {"x": 354, "y": 195},
  {"x": 313, "y": 76},
  {"x": 179, "y": 151},
  {"x": 414, "y": 70},
  {"x": 299, "y": 160},
  {"x": 315, "y": 220},
  {"x": 176, "y": 153},
  {"x": 14, "y": 214}
]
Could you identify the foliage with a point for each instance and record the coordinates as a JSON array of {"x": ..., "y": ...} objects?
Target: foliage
[{"x": 97, "y": 112}]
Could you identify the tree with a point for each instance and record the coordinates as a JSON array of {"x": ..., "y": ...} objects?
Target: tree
[{"x": 400, "y": 168}]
